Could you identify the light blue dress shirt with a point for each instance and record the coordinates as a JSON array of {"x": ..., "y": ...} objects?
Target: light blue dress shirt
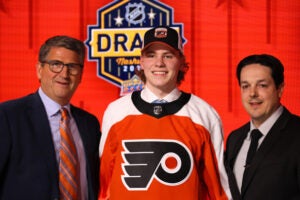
[{"x": 53, "y": 113}]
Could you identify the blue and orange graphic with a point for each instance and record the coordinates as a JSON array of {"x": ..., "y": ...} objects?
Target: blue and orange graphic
[{"x": 115, "y": 42}]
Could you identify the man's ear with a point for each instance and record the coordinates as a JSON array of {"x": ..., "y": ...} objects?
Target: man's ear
[
  {"x": 280, "y": 90},
  {"x": 141, "y": 62},
  {"x": 38, "y": 70}
]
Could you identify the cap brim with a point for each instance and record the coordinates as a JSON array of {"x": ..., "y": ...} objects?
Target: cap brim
[{"x": 159, "y": 42}]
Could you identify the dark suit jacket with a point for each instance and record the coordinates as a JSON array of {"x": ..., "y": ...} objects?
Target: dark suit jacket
[
  {"x": 275, "y": 170},
  {"x": 28, "y": 166}
]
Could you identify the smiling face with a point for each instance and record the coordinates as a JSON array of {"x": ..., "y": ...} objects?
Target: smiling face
[
  {"x": 161, "y": 65},
  {"x": 260, "y": 97},
  {"x": 61, "y": 86}
]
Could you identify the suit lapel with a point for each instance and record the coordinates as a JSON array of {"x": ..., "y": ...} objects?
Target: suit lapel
[
  {"x": 240, "y": 137},
  {"x": 42, "y": 132},
  {"x": 82, "y": 128},
  {"x": 232, "y": 154},
  {"x": 271, "y": 138}
]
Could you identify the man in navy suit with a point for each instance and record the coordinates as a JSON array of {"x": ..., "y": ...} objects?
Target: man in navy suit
[
  {"x": 274, "y": 172},
  {"x": 29, "y": 129}
]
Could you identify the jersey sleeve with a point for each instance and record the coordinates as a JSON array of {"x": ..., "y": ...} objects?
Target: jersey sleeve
[{"x": 217, "y": 139}]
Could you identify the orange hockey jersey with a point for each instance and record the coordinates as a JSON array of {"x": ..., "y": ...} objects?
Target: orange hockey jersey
[{"x": 161, "y": 151}]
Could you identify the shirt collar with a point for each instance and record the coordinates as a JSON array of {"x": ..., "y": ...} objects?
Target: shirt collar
[
  {"x": 51, "y": 106},
  {"x": 265, "y": 127},
  {"x": 149, "y": 96}
]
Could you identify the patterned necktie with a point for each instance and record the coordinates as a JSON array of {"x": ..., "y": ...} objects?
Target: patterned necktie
[{"x": 68, "y": 179}]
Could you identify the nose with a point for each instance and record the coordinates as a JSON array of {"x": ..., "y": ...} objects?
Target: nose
[
  {"x": 159, "y": 61},
  {"x": 65, "y": 71},
  {"x": 253, "y": 91}
]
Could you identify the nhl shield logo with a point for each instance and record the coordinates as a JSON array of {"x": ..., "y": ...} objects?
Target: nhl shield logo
[
  {"x": 135, "y": 13},
  {"x": 115, "y": 41}
]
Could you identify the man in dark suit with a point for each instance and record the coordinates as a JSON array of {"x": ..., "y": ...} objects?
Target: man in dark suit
[
  {"x": 274, "y": 171},
  {"x": 30, "y": 140}
]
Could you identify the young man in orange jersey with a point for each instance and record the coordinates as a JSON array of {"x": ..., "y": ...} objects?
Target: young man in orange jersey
[{"x": 153, "y": 150}]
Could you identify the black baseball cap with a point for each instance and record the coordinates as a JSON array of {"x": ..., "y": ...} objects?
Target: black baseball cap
[{"x": 164, "y": 35}]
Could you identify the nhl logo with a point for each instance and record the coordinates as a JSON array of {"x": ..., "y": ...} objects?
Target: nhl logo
[
  {"x": 135, "y": 13},
  {"x": 157, "y": 110},
  {"x": 115, "y": 41}
]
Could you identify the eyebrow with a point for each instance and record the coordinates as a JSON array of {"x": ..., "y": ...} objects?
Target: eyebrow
[{"x": 259, "y": 81}]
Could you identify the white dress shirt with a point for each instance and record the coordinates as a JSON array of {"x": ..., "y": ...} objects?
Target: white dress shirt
[
  {"x": 239, "y": 165},
  {"x": 149, "y": 96}
]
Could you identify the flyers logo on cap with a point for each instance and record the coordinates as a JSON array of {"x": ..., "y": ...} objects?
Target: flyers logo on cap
[
  {"x": 115, "y": 42},
  {"x": 160, "y": 33}
]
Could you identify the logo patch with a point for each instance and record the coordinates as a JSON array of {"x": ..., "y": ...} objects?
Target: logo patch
[
  {"x": 157, "y": 110},
  {"x": 135, "y": 13},
  {"x": 168, "y": 161},
  {"x": 160, "y": 33},
  {"x": 115, "y": 41}
]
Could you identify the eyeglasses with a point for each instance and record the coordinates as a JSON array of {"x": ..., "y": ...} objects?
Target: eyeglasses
[{"x": 57, "y": 66}]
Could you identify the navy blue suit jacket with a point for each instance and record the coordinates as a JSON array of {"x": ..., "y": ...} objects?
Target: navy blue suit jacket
[
  {"x": 28, "y": 166},
  {"x": 275, "y": 170}
]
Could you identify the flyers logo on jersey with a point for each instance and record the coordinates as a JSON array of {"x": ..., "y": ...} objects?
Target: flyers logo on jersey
[
  {"x": 168, "y": 161},
  {"x": 116, "y": 40}
]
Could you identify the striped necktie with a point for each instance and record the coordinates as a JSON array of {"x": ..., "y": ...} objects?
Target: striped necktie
[{"x": 68, "y": 179}]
